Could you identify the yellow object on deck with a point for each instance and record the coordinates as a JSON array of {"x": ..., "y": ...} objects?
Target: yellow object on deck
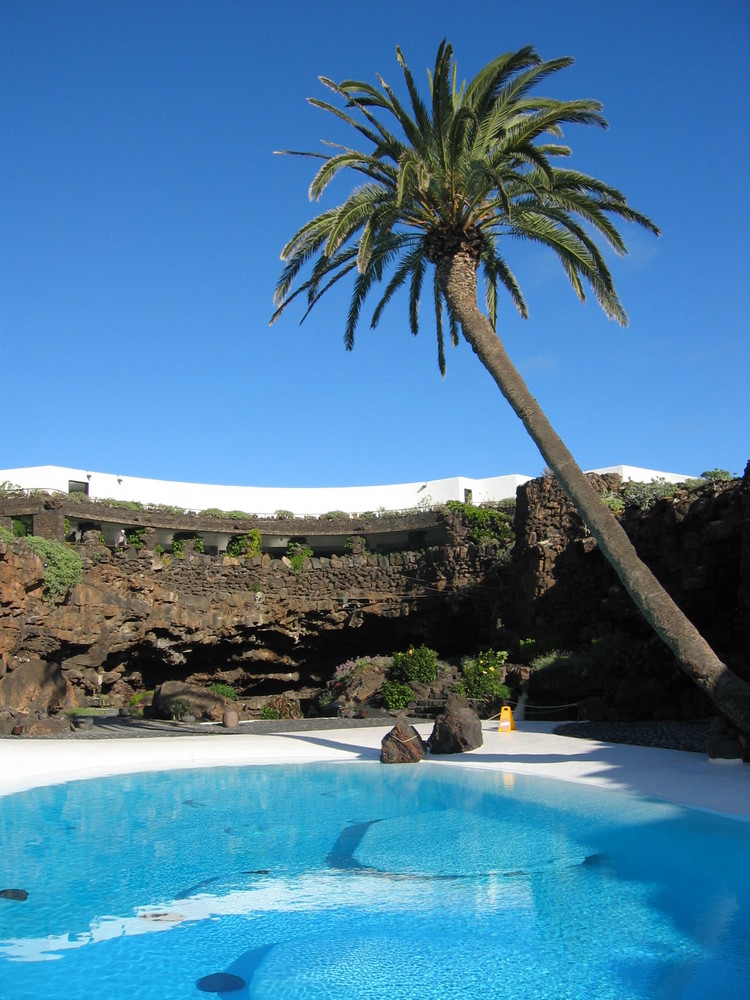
[{"x": 506, "y": 723}]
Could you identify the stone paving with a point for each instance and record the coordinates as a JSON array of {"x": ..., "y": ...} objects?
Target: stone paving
[
  {"x": 115, "y": 727},
  {"x": 690, "y": 736}
]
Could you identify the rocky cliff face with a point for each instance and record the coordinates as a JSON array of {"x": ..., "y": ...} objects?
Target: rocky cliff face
[
  {"x": 697, "y": 543},
  {"x": 137, "y": 619}
]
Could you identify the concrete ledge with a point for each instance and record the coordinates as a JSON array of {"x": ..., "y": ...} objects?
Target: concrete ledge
[{"x": 674, "y": 776}]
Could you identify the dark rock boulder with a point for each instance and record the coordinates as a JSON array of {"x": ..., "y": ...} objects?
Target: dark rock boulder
[
  {"x": 204, "y": 704},
  {"x": 402, "y": 745},
  {"x": 37, "y": 686},
  {"x": 14, "y": 723},
  {"x": 457, "y": 729}
]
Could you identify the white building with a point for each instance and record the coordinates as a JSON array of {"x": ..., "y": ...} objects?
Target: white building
[{"x": 266, "y": 500}]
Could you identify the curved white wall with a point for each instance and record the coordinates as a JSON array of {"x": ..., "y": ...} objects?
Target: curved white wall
[
  {"x": 299, "y": 500},
  {"x": 264, "y": 499}
]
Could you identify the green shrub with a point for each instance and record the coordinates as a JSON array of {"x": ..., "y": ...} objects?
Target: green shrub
[
  {"x": 529, "y": 649},
  {"x": 133, "y": 537},
  {"x": 645, "y": 495},
  {"x": 281, "y": 706},
  {"x": 350, "y": 543},
  {"x": 418, "y": 663},
  {"x": 225, "y": 690},
  {"x": 178, "y": 548},
  {"x": 396, "y": 695},
  {"x": 138, "y": 698},
  {"x": 297, "y": 552},
  {"x": 179, "y": 708},
  {"x": 553, "y": 658},
  {"x": 111, "y": 502},
  {"x": 334, "y": 515},
  {"x": 717, "y": 475},
  {"x": 482, "y": 676},
  {"x": 486, "y": 524},
  {"x": 283, "y": 515},
  {"x": 248, "y": 544},
  {"x": 613, "y": 501},
  {"x": 62, "y": 565},
  {"x": 19, "y": 527}
]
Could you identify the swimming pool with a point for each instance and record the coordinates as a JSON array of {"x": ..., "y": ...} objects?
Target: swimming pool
[{"x": 356, "y": 881}]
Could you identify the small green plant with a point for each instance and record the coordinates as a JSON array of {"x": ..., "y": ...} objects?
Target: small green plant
[
  {"x": 552, "y": 658},
  {"x": 482, "y": 677},
  {"x": 179, "y": 708},
  {"x": 138, "y": 698},
  {"x": 283, "y": 515},
  {"x": 256, "y": 587},
  {"x": 179, "y": 540},
  {"x": 111, "y": 502},
  {"x": 248, "y": 544},
  {"x": 418, "y": 663},
  {"x": 613, "y": 501},
  {"x": 134, "y": 537},
  {"x": 396, "y": 695},
  {"x": 645, "y": 495},
  {"x": 531, "y": 648},
  {"x": 356, "y": 542},
  {"x": 6, "y": 535},
  {"x": 159, "y": 549},
  {"x": 717, "y": 475},
  {"x": 225, "y": 690},
  {"x": 486, "y": 524},
  {"x": 20, "y": 527},
  {"x": 280, "y": 707},
  {"x": 334, "y": 515},
  {"x": 62, "y": 565},
  {"x": 297, "y": 552}
]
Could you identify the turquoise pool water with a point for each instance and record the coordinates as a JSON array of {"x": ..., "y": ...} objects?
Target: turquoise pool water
[{"x": 354, "y": 881}]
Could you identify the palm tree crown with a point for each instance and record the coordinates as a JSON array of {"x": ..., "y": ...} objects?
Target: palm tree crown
[{"x": 469, "y": 167}]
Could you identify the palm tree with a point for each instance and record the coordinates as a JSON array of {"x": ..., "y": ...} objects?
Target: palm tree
[{"x": 442, "y": 191}]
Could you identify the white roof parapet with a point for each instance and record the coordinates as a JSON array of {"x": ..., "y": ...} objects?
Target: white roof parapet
[
  {"x": 267, "y": 500},
  {"x": 264, "y": 499},
  {"x": 631, "y": 473}
]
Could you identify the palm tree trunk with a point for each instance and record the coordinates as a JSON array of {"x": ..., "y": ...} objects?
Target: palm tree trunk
[{"x": 730, "y": 694}]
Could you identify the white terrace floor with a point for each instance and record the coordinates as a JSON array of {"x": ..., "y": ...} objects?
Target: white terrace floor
[{"x": 675, "y": 776}]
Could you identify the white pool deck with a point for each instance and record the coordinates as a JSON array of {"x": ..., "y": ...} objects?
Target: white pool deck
[{"x": 674, "y": 776}]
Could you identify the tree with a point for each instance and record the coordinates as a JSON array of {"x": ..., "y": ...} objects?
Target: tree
[{"x": 458, "y": 174}]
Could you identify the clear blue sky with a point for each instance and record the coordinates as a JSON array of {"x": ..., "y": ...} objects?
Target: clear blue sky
[{"x": 142, "y": 213}]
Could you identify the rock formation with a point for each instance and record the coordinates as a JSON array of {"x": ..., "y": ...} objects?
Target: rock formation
[
  {"x": 458, "y": 728},
  {"x": 402, "y": 745}
]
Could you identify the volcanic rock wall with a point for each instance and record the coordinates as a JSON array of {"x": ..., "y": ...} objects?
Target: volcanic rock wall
[
  {"x": 696, "y": 542},
  {"x": 138, "y": 619}
]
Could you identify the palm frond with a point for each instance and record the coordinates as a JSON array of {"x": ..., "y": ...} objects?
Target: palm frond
[{"x": 463, "y": 170}]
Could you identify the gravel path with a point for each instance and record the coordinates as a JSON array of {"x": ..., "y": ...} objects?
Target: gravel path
[{"x": 666, "y": 735}]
